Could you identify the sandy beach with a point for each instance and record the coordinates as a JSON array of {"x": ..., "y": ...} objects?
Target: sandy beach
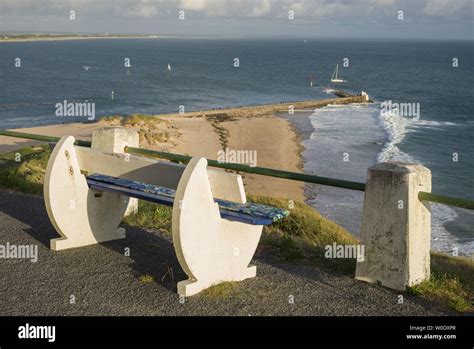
[{"x": 204, "y": 133}]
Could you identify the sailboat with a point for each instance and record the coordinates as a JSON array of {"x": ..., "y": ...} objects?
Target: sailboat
[
  {"x": 334, "y": 77},
  {"x": 169, "y": 67}
]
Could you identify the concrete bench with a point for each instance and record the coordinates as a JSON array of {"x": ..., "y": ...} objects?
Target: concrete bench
[
  {"x": 249, "y": 213},
  {"x": 215, "y": 230}
]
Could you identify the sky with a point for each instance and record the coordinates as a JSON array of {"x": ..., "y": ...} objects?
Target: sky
[{"x": 431, "y": 19}]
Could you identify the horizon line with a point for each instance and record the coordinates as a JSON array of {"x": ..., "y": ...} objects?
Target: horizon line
[{"x": 209, "y": 36}]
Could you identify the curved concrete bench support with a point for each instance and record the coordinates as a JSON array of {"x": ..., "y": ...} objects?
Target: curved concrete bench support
[
  {"x": 80, "y": 215},
  {"x": 210, "y": 250}
]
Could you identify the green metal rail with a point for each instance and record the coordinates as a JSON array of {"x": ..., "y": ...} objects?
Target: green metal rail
[
  {"x": 257, "y": 170},
  {"x": 424, "y": 196},
  {"x": 446, "y": 200},
  {"x": 39, "y": 137}
]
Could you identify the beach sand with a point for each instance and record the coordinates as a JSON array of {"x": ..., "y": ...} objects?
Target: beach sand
[{"x": 204, "y": 133}]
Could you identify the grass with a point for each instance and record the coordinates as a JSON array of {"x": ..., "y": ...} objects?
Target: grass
[
  {"x": 222, "y": 291},
  {"x": 302, "y": 236},
  {"x": 305, "y": 223},
  {"x": 451, "y": 282},
  {"x": 151, "y": 216},
  {"x": 445, "y": 289},
  {"x": 146, "y": 279},
  {"x": 24, "y": 169},
  {"x": 299, "y": 238},
  {"x": 461, "y": 267},
  {"x": 148, "y": 127},
  {"x": 112, "y": 119}
]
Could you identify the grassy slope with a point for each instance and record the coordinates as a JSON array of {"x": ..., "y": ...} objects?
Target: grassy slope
[
  {"x": 145, "y": 125},
  {"x": 24, "y": 169},
  {"x": 451, "y": 282},
  {"x": 301, "y": 237}
]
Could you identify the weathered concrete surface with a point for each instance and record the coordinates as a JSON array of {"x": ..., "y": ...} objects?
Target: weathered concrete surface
[
  {"x": 211, "y": 250},
  {"x": 114, "y": 140},
  {"x": 81, "y": 216},
  {"x": 106, "y": 282},
  {"x": 396, "y": 226}
]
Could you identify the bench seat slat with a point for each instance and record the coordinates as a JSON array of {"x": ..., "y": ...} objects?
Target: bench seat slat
[{"x": 250, "y": 213}]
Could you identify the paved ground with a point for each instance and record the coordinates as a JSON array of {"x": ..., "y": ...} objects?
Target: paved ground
[{"x": 105, "y": 282}]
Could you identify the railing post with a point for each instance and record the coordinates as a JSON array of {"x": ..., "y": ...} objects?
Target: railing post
[
  {"x": 114, "y": 140},
  {"x": 396, "y": 226}
]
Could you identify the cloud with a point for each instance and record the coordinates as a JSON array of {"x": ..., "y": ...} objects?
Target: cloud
[
  {"x": 304, "y": 9},
  {"x": 279, "y": 8},
  {"x": 448, "y": 7},
  {"x": 262, "y": 9},
  {"x": 194, "y": 5}
]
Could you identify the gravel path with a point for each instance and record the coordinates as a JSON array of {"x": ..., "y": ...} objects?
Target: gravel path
[{"x": 106, "y": 282}]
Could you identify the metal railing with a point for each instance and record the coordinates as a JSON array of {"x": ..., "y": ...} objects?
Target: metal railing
[
  {"x": 339, "y": 183},
  {"x": 40, "y": 138},
  {"x": 264, "y": 171}
]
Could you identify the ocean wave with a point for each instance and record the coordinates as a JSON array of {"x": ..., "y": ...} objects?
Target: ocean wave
[
  {"x": 430, "y": 124},
  {"x": 396, "y": 128},
  {"x": 441, "y": 239},
  {"x": 433, "y": 123},
  {"x": 340, "y": 127},
  {"x": 391, "y": 152}
]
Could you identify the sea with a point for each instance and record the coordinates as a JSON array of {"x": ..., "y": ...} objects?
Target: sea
[{"x": 124, "y": 76}]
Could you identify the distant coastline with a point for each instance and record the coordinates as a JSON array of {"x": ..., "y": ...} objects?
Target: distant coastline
[{"x": 51, "y": 37}]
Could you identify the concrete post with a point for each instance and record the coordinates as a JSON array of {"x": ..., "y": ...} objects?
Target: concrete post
[
  {"x": 396, "y": 226},
  {"x": 114, "y": 140}
]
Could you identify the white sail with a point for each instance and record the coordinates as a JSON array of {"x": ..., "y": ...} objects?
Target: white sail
[
  {"x": 334, "y": 77},
  {"x": 169, "y": 66}
]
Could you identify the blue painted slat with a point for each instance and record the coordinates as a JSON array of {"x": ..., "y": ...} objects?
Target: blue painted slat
[{"x": 250, "y": 213}]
